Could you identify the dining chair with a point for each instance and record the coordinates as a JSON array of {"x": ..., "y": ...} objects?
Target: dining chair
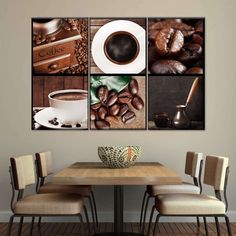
[
  {"x": 193, "y": 168},
  {"x": 44, "y": 167},
  {"x": 22, "y": 173},
  {"x": 184, "y": 204}
]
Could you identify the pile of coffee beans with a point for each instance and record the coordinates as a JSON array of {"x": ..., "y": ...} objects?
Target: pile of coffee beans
[
  {"x": 175, "y": 46},
  {"x": 81, "y": 46},
  {"x": 114, "y": 107}
]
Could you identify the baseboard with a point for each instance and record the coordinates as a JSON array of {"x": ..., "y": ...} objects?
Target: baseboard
[{"x": 108, "y": 217}]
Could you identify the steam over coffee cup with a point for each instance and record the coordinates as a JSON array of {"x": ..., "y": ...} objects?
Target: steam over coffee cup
[{"x": 69, "y": 106}]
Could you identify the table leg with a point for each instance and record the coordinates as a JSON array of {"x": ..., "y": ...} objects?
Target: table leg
[
  {"x": 118, "y": 215},
  {"x": 118, "y": 209}
]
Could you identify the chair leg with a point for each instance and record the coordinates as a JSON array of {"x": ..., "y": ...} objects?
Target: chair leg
[
  {"x": 145, "y": 211},
  {"x": 228, "y": 225},
  {"x": 82, "y": 224},
  {"x": 95, "y": 207},
  {"x": 150, "y": 222},
  {"x": 39, "y": 222},
  {"x": 20, "y": 225},
  {"x": 155, "y": 226},
  {"x": 198, "y": 222},
  {"x": 87, "y": 220},
  {"x": 10, "y": 225},
  {"x": 32, "y": 226},
  {"x": 205, "y": 224},
  {"x": 92, "y": 211},
  {"x": 217, "y": 226},
  {"x": 143, "y": 202}
]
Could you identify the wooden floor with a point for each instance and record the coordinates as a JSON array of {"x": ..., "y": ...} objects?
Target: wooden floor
[{"x": 71, "y": 229}]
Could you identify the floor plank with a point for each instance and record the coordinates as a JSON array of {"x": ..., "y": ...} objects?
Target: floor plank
[{"x": 72, "y": 229}]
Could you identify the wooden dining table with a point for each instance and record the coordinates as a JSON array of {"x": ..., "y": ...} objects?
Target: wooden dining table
[{"x": 96, "y": 173}]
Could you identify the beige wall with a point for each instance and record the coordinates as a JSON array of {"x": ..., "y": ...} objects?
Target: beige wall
[{"x": 168, "y": 147}]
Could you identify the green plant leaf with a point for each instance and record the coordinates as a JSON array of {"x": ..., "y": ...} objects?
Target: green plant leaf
[{"x": 116, "y": 83}]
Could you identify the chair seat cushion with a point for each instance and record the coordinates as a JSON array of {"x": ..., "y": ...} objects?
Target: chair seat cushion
[
  {"x": 187, "y": 204},
  {"x": 49, "y": 204},
  {"x": 83, "y": 190},
  {"x": 185, "y": 187}
]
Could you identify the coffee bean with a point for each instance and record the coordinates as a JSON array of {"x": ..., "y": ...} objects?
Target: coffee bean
[
  {"x": 43, "y": 38},
  {"x": 168, "y": 67},
  {"x": 96, "y": 106},
  {"x": 67, "y": 26},
  {"x": 113, "y": 120},
  {"x": 54, "y": 121},
  {"x": 66, "y": 126},
  {"x": 186, "y": 30},
  {"x": 197, "y": 38},
  {"x": 78, "y": 125},
  {"x": 102, "y": 124},
  {"x": 92, "y": 114},
  {"x": 190, "y": 52},
  {"x": 199, "y": 26},
  {"x": 123, "y": 109},
  {"x": 133, "y": 86},
  {"x": 152, "y": 55},
  {"x": 169, "y": 41},
  {"x": 112, "y": 98},
  {"x": 114, "y": 110},
  {"x": 102, "y": 112},
  {"x": 128, "y": 117},
  {"x": 102, "y": 93},
  {"x": 53, "y": 38},
  {"x": 194, "y": 70},
  {"x": 137, "y": 102},
  {"x": 124, "y": 97},
  {"x": 74, "y": 27}
]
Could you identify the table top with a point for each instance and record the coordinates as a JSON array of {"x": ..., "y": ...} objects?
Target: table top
[{"x": 96, "y": 173}]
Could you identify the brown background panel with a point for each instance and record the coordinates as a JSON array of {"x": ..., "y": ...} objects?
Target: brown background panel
[
  {"x": 43, "y": 85},
  {"x": 96, "y": 24}
]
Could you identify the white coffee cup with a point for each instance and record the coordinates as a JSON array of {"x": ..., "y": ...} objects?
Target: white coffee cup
[{"x": 69, "y": 106}]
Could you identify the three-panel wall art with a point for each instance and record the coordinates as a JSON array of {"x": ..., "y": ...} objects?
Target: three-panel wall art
[{"x": 118, "y": 73}]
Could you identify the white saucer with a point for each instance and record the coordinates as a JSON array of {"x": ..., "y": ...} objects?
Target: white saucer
[
  {"x": 42, "y": 117},
  {"x": 100, "y": 37}
]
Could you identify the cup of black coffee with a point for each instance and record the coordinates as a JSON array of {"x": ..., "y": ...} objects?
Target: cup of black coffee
[
  {"x": 121, "y": 47},
  {"x": 69, "y": 106}
]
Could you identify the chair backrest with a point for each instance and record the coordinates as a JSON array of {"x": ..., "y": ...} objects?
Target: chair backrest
[
  {"x": 44, "y": 164},
  {"x": 23, "y": 171},
  {"x": 193, "y": 164},
  {"x": 215, "y": 171}
]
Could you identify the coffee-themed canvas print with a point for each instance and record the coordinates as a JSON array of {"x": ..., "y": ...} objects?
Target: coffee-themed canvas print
[
  {"x": 118, "y": 45},
  {"x": 118, "y": 73},
  {"x": 118, "y": 102},
  {"x": 60, "y": 102},
  {"x": 176, "y": 46},
  {"x": 60, "y": 46}
]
